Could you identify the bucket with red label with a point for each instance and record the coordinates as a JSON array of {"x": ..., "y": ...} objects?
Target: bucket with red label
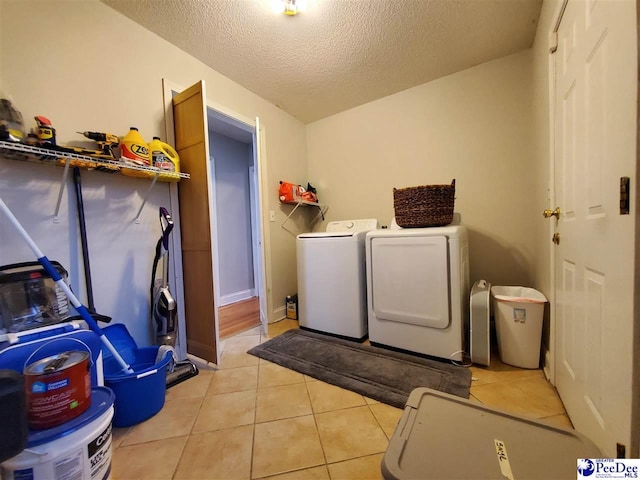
[{"x": 58, "y": 388}]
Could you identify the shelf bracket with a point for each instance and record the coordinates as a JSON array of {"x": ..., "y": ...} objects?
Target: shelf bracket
[
  {"x": 322, "y": 209},
  {"x": 289, "y": 216},
  {"x": 146, "y": 196},
  {"x": 65, "y": 174}
]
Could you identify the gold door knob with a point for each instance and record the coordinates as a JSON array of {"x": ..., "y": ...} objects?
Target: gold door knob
[{"x": 551, "y": 213}]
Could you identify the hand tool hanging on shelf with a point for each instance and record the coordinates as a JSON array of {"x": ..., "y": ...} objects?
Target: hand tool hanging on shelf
[{"x": 85, "y": 248}]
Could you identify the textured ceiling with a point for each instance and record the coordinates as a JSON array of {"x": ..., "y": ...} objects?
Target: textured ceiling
[{"x": 338, "y": 53}]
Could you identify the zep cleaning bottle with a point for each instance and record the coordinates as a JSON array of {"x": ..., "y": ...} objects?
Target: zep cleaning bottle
[
  {"x": 134, "y": 149},
  {"x": 165, "y": 158}
]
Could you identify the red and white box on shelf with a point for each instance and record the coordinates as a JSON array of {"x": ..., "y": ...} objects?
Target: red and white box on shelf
[{"x": 291, "y": 193}]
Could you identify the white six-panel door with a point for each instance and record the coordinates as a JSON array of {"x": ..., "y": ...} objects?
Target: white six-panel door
[{"x": 595, "y": 142}]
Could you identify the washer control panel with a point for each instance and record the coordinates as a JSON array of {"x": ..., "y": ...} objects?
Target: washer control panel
[{"x": 360, "y": 225}]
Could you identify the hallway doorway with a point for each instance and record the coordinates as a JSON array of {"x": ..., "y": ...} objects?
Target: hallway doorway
[{"x": 236, "y": 222}]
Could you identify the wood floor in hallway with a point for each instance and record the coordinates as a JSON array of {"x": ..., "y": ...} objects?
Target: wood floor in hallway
[{"x": 239, "y": 316}]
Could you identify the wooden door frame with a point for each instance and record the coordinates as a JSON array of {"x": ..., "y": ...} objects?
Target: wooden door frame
[
  {"x": 635, "y": 398},
  {"x": 260, "y": 155},
  {"x": 550, "y": 354},
  {"x": 260, "y": 161},
  {"x": 175, "y": 244},
  {"x": 255, "y": 235},
  {"x": 255, "y": 231}
]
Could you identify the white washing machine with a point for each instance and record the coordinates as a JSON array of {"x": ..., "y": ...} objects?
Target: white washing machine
[
  {"x": 332, "y": 293},
  {"x": 418, "y": 289}
]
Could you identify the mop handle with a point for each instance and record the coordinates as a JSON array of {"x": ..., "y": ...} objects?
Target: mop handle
[{"x": 53, "y": 273}]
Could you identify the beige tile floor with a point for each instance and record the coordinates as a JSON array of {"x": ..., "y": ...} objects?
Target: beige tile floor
[{"x": 253, "y": 419}]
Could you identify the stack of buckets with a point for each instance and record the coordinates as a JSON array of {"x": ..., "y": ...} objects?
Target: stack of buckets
[{"x": 70, "y": 421}]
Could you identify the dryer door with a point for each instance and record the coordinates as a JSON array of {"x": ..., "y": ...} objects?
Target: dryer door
[{"x": 410, "y": 280}]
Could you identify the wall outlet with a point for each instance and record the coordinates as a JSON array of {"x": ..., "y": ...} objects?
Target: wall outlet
[{"x": 272, "y": 216}]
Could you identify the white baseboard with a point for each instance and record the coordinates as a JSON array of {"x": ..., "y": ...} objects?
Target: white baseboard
[
  {"x": 237, "y": 297},
  {"x": 279, "y": 313}
]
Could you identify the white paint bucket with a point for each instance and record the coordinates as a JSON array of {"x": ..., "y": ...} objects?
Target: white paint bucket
[{"x": 79, "y": 448}]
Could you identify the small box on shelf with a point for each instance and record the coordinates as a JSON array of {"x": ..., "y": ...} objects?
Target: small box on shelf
[{"x": 292, "y": 193}]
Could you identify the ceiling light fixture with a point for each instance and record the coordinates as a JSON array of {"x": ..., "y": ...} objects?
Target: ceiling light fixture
[{"x": 290, "y": 7}]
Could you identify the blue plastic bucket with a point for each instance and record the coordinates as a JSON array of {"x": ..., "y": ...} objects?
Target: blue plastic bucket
[{"x": 139, "y": 395}]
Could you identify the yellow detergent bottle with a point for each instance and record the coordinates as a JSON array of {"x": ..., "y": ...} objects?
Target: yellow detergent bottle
[
  {"x": 134, "y": 149},
  {"x": 165, "y": 158}
]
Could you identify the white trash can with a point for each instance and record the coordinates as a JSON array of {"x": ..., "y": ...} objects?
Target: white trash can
[{"x": 518, "y": 315}]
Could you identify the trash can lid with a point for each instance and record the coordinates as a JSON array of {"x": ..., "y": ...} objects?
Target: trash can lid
[{"x": 517, "y": 294}]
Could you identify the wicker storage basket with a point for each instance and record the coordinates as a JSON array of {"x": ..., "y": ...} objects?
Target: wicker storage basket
[{"x": 425, "y": 205}]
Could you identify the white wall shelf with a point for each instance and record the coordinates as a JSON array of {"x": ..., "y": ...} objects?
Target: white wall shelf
[
  {"x": 322, "y": 209},
  {"x": 29, "y": 153}
]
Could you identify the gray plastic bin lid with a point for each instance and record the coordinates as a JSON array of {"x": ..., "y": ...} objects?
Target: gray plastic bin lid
[{"x": 442, "y": 436}]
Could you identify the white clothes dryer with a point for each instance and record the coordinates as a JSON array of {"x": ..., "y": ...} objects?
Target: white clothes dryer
[
  {"x": 418, "y": 289},
  {"x": 332, "y": 292}
]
